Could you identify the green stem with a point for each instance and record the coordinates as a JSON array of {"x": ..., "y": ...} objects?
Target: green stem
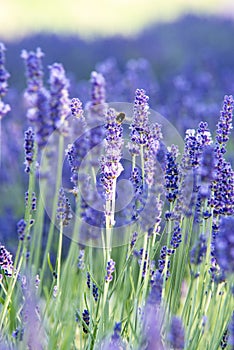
[
  {"x": 59, "y": 254},
  {"x": 55, "y": 203}
]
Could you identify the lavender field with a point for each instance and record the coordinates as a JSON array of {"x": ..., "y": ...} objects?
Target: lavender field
[{"x": 117, "y": 190}]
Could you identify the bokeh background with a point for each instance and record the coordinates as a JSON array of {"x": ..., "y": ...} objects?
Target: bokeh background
[
  {"x": 90, "y": 18},
  {"x": 180, "y": 51}
]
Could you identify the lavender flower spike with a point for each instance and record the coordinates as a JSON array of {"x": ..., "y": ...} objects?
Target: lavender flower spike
[
  {"x": 225, "y": 122},
  {"x": 29, "y": 148},
  {"x": 110, "y": 269},
  {"x": 4, "y": 75},
  {"x": 76, "y": 108},
  {"x": 59, "y": 100},
  {"x": 224, "y": 245},
  {"x": 140, "y": 126},
  {"x": 110, "y": 163},
  {"x": 176, "y": 333},
  {"x": 34, "y": 70},
  {"x": 97, "y": 105},
  {"x": 64, "y": 214},
  {"x": 206, "y": 171},
  {"x": 37, "y": 97},
  {"x": 6, "y": 263}
]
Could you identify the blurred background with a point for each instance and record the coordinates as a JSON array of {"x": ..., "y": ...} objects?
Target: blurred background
[
  {"x": 90, "y": 18},
  {"x": 180, "y": 51}
]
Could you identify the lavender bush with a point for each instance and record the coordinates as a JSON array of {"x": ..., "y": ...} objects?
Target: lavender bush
[{"x": 149, "y": 260}]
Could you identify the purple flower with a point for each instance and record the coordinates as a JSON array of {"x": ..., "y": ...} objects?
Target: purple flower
[
  {"x": 64, "y": 214},
  {"x": 176, "y": 237},
  {"x": 59, "y": 98},
  {"x": 110, "y": 163},
  {"x": 94, "y": 287},
  {"x": 138, "y": 200},
  {"x": 140, "y": 125},
  {"x": 151, "y": 149},
  {"x": 224, "y": 245},
  {"x": 34, "y": 70},
  {"x": 4, "y": 75},
  {"x": 144, "y": 258},
  {"x": 155, "y": 295},
  {"x": 133, "y": 240},
  {"x": 110, "y": 268},
  {"x": 195, "y": 141},
  {"x": 21, "y": 226},
  {"x": 18, "y": 333},
  {"x": 39, "y": 114},
  {"x": 34, "y": 201},
  {"x": 206, "y": 171},
  {"x": 37, "y": 97},
  {"x": 162, "y": 262},
  {"x": 97, "y": 105},
  {"x": 223, "y": 187},
  {"x": 224, "y": 125},
  {"x": 176, "y": 333},
  {"x": 80, "y": 264},
  {"x": 115, "y": 342},
  {"x": 152, "y": 321},
  {"x": 203, "y": 135},
  {"x": 29, "y": 139},
  {"x": 76, "y": 108},
  {"x": 6, "y": 263},
  {"x": 198, "y": 252},
  {"x": 171, "y": 175},
  {"x": 86, "y": 319},
  {"x": 77, "y": 151}
]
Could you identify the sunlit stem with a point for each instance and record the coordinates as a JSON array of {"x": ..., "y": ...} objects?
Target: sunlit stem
[{"x": 59, "y": 254}]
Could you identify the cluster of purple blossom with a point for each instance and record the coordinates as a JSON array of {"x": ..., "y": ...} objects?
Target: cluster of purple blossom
[{"x": 47, "y": 110}]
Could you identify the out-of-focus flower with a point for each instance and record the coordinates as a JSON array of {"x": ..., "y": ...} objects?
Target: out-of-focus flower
[
  {"x": 34, "y": 69},
  {"x": 64, "y": 214},
  {"x": 4, "y": 76},
  {"x": 176, "y": 333},
  {"x": 198, "y": 252},
  {"x": 97, "y": 106},
  {"x": 21, "y": 226},
  {"x": 152, "y": 319},
  {"x": 224, "y": 245},
  {"x": 37, "y": 97},
  {"x": 206, "y": 171}
]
